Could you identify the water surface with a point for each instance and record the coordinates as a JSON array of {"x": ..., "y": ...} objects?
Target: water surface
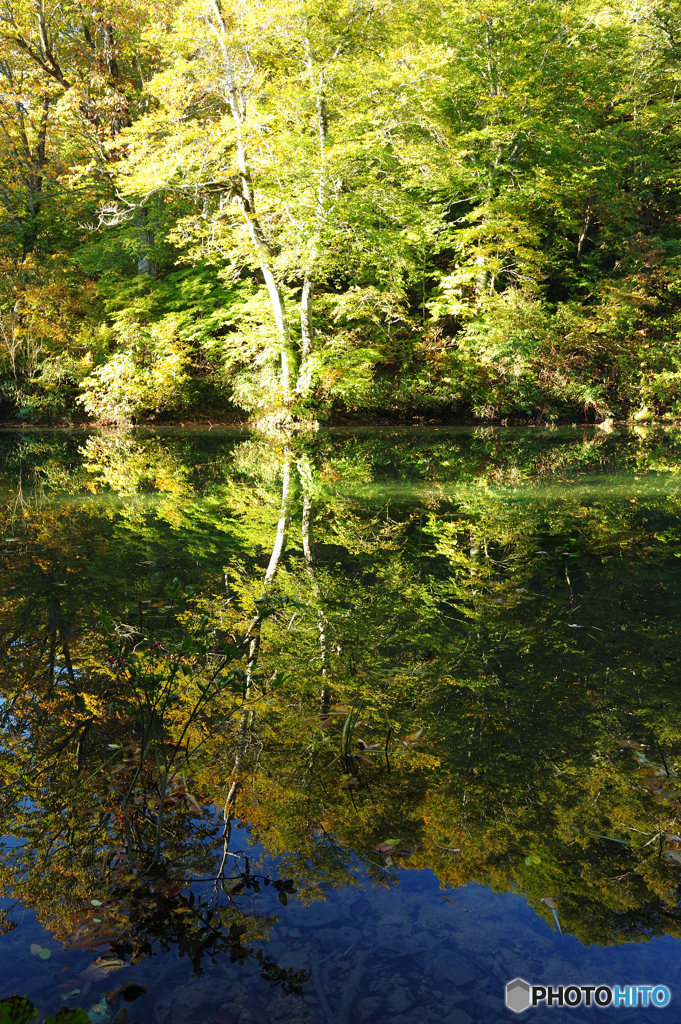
[{"x": 355, "y": 727}]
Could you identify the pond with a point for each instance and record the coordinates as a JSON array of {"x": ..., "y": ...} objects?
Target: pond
[{"x": 362, "y": 725}]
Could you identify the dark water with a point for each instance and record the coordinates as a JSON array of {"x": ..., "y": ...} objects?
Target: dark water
[{"x": 406, "y": 727}]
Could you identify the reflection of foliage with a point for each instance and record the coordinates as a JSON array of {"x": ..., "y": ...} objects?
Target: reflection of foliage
[
  {"x": 475, "y": 674},
  {"x": 113, "y": 867}
]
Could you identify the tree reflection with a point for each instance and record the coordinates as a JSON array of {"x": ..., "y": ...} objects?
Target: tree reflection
[{"x": 476, "y": 676}]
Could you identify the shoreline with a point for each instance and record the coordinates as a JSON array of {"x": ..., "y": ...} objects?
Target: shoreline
[{"x": 340, "y": 423}]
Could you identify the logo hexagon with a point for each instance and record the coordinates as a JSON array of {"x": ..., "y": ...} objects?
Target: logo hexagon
[{"x": 518, "y": 995}]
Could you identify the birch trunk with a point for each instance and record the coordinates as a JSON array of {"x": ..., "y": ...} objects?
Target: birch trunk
[
  {"x": 306, "y": 301},
  {"x": 246, "y": 203},
  {"x": 306, "y": 325}
]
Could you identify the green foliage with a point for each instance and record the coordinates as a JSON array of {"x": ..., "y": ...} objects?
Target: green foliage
[
  {"x": 147, "y": 372},
  {"x": 498, "y": 237},
  {"x": 17, "y": 1010},
  {"x": 66, "y": 1016}
]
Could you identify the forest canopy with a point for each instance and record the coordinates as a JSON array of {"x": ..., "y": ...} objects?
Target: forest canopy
[{"x": 450, "y": 208}]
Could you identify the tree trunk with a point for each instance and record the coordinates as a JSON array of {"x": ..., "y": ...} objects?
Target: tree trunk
[
  {"x": 246, "y": 203},
  {"x": 306, "y": 325},
  {"x": 306, "y": 300},
  {"x": 146, "y": 264},
  {"x": 34, "y": 176}
]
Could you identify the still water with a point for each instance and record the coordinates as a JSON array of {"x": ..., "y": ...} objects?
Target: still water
[{"x": 357, "y": 726}]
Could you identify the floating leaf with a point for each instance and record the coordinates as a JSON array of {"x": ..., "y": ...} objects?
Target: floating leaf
[
  {"x": 192, "y": 804},
  {"x": 413, "y": 737},
  {"x": 35, "y": 948},
  {"x": 109, "y": 962},
  {"x": 96, "y": 903},
  {"x": 45, "y": 954},
  {"x": 98, "y": 1012}
]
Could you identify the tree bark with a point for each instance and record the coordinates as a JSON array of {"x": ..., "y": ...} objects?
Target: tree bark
[
  {"x": 246, "y": 202},
  {"x": 306, "y": 325},
  {"x": 306, "y": 300},
  {"x": 146, "y": 264}
]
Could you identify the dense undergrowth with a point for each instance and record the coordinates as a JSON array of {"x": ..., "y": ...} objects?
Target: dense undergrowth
[{"x": 453, "y": 209}]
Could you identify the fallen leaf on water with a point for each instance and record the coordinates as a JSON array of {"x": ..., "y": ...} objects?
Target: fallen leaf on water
[
  {"x": 45, "y": 954},
  {"x": 192, "y": 803},
  {"x": 448, "y": 849},
  {"x": 108, "y": 962},
  {"x": 99, "y": 1012},
  {"x": 35, "y": 948},
  {"x": 413, "y": 737}
]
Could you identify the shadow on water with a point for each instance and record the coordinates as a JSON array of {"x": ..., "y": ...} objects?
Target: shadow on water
[{"x": 358, "y": 727}]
